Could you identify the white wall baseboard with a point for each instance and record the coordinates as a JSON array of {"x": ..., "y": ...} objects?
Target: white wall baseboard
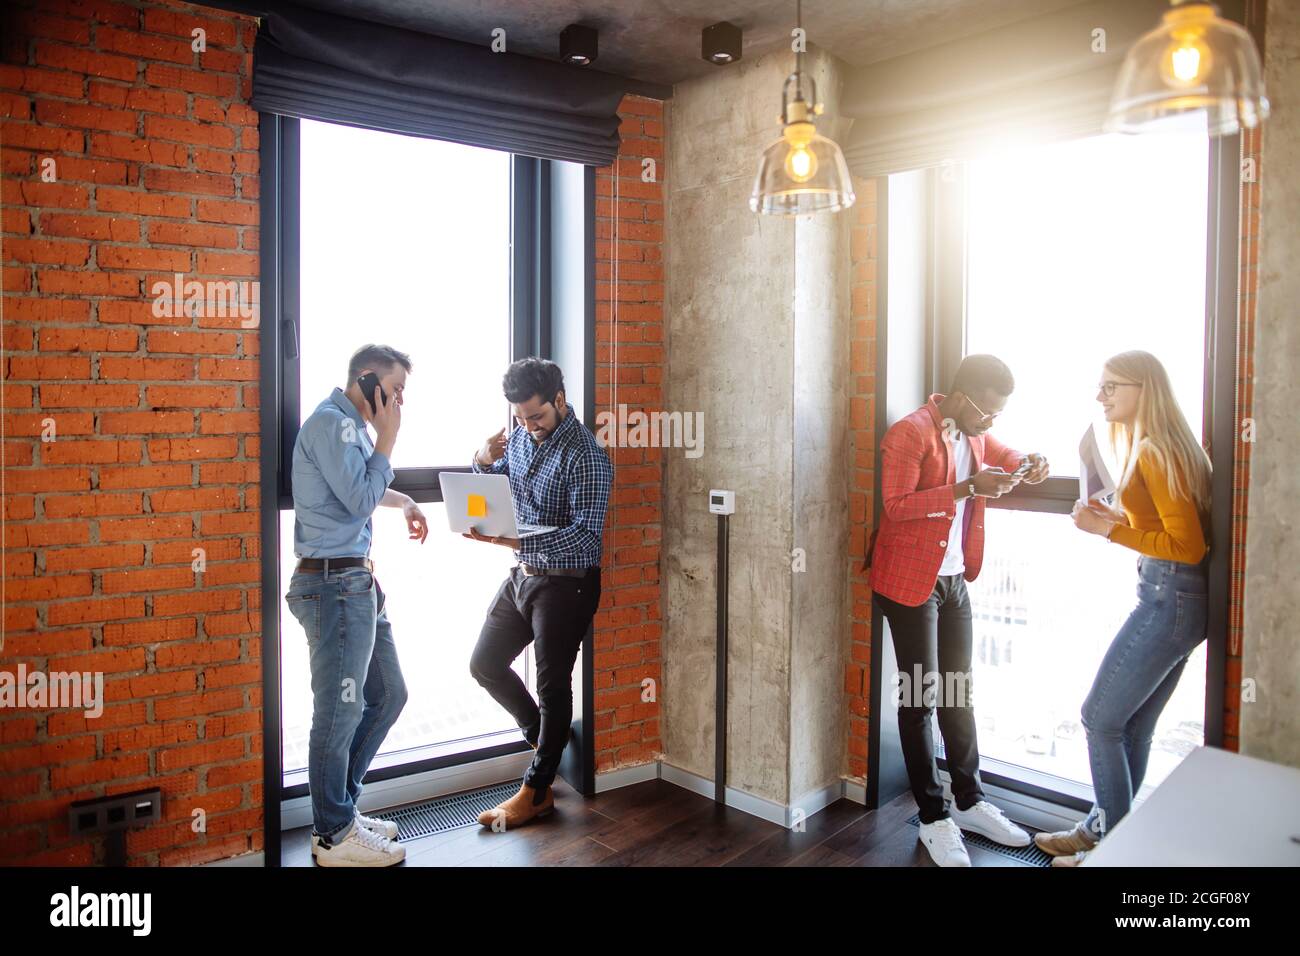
[
  {"x": 627, "y": 776},
  {"x": 786, "y": 816}
]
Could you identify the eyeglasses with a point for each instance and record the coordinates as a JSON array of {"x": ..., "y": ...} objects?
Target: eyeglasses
[
  {"x": 983, "y": 417},
  {"x": 1108, "y": 388}
]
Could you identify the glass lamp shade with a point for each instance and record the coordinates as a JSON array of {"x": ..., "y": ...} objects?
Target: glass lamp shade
[
  {"x": 802, "y": 172},
  {"x": 1193, "y": 62}
]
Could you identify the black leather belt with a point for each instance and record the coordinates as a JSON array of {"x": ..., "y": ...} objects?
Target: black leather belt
[
  {"x": 331, "y": 564},
  {"x": 529, "y": 570}
]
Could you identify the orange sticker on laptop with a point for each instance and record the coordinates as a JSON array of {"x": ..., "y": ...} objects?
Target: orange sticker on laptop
[{"x": 476, "y": 506}]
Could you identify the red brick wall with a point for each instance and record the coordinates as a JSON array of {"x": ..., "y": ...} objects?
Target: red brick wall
[
  {"x": 156, "y": 451},
  {"x": 629, "y": 371},
  {"x": 861, "y": 463}
]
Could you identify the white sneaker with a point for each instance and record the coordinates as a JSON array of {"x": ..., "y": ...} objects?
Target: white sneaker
[
  {"x": 943, "y": 839},
  {"x": 361, "y": 847},
  {"x": 989, "y": 821},
  {"x": 385, "y": 828}
]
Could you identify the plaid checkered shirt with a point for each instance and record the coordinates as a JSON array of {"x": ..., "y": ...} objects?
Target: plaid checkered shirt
[{"x": 564, "y": 482}]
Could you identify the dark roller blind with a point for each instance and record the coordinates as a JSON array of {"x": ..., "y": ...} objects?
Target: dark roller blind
[{"x": 323, "y": 66}]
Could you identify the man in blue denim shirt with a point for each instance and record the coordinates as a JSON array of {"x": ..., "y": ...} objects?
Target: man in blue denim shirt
[
  {"x": 339, "y": 478},
  {"x": 560, "y": 478}
]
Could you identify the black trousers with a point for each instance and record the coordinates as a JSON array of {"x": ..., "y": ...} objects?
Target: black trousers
[
  {"x": 552, "y": 612},
  {"x": 932, "y": 643}
]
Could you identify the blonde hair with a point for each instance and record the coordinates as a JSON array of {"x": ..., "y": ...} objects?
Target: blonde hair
[{"x": 1160, "y": 429}]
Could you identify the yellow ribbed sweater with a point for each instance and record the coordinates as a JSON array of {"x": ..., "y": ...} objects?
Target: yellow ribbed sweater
[{"x": 1159, "y": 524}]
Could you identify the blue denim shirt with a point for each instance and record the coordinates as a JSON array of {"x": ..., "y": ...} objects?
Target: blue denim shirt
[
  {"x": 338, "y": 481},
  {"x": 564, "y": 482}
]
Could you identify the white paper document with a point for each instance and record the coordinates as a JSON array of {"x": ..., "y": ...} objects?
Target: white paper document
[{"x": 1095, "y": 480}]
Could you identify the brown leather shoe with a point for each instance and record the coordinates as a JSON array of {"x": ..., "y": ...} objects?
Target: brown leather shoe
[
  {"x": 519, "y": 809},
  {"x": 1065, "y": 842}
]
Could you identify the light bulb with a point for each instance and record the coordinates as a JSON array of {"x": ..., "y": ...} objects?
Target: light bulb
[
  {"x": 801, "y": 163},
  {"x": 1187, "y": 61}
]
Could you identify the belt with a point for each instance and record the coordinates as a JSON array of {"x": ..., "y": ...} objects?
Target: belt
[
  {"x": 328, "y": 564},
  {"x": 529, "y": 570}
]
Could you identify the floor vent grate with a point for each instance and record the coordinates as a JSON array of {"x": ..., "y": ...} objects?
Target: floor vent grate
[
  {"x": 1024, "y": 854},
  {"x": 451, "y": 812}
]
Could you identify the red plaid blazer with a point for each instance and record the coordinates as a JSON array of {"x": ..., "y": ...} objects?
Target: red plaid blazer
[{"x": 916, "y": 485}]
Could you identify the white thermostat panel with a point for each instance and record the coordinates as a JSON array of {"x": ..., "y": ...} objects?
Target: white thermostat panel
[{"x": 722, "y": 502}]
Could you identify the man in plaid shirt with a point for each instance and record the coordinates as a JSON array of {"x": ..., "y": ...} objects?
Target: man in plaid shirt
[
  {"x": 938, "y": 467},
  {"x": 559, "y": 478}
]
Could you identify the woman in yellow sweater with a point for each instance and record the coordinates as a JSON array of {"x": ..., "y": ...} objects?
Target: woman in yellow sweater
[{"x": 1164, "y": 490}]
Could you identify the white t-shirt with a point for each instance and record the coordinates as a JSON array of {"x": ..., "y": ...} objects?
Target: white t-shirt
[{"x": 954, "y": 559}]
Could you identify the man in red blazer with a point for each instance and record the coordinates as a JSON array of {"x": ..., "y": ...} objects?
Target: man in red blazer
[{"x": 939, "y": 465}]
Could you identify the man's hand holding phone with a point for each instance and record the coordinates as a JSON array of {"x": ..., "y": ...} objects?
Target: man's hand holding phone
[
  {"x": 386, "y": 413},
  {"x": 386, "y": 416},
  {"x": 1033, "y": 469},
  {"x": 994, "y": 482}
]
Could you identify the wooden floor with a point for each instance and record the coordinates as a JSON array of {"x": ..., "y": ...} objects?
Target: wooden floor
[{"x": 660, "y": 824}]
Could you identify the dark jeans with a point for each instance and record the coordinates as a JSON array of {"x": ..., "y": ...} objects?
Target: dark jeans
[
  {"x": 553, "y": 612},
  {"x": 936, "y": 635}
]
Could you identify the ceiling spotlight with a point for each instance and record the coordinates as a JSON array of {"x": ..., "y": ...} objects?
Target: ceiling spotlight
[
  {"x": 578, "y": 44},
  {"x": 720, "y": 43}
]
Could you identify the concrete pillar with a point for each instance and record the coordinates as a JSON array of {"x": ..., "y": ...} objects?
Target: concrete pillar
[
  {"x": 758, "y": 332},
  {"x": 1270, "y": 727}
]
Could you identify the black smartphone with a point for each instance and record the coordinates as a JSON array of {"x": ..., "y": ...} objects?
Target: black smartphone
[{"x": 368, "y": 382}]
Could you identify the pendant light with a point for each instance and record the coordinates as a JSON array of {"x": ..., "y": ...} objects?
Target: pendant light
[
  {"x": 1194, "y": 62},
  {"x": 802, "y": 172}
]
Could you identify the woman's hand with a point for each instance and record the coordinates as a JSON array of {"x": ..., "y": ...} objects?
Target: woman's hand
[
  {"x": 1092, "y": 521},
  {"x": 1108, "y": 512}
]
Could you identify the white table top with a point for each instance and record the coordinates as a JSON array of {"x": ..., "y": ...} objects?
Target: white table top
[{"x": 1217, "y": 808}]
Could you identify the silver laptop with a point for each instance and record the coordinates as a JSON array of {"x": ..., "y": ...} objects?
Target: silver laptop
[{"x": 483, "y": 502}]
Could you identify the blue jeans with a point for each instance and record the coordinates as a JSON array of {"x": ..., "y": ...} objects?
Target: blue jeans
[
  {"x": 1136, "y": 679},
  {"x": 356, "y": 684}
]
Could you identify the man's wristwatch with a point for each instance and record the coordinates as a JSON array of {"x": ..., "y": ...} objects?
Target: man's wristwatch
[{"x": 970, "y": 486}]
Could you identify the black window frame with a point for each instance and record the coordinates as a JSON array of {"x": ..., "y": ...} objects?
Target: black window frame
[{"x": 532, "y": 332}]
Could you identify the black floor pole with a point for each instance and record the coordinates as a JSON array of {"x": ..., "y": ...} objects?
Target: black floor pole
[{"x": 720, "y": 724}]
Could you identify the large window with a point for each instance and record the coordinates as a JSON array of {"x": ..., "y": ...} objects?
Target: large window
[
  {"x": 407, "y": 241},
  {"x": 1074, "y": 252},
  {"x": 466, "y": 259}
]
